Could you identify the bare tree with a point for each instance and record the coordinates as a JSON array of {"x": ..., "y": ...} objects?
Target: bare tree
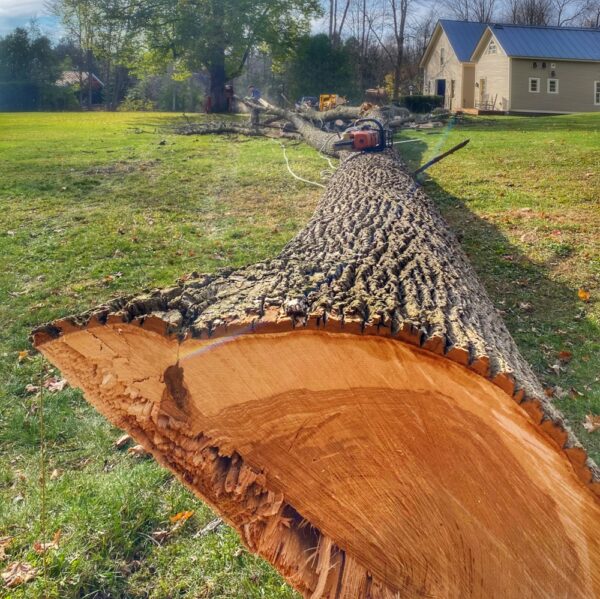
[
  {"x": 338, "y": 13},
  {"x": 591, "y": 16},
  {"x": 569, "y": 12},
  {"x": 481, "y": 11},
  {"x": 530, "y": 12}
]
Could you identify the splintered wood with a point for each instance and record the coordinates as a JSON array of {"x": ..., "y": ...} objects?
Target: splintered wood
[
  {"x": 360, "y": 466},
  {"x": 354, "y": 407}
]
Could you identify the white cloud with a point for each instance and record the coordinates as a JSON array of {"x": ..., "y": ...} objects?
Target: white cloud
[{"x": 25, "y": 9}]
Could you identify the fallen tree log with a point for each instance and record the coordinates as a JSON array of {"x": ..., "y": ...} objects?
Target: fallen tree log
[
  {"x": 231, "y": 127},
  {"x": 354, "y": 407}
]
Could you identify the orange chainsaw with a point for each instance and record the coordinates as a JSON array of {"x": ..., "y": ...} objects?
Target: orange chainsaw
[{"x": 366, "y": 135}]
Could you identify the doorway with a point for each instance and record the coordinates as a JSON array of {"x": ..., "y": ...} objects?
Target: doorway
[{"x": 440, "y": 87}]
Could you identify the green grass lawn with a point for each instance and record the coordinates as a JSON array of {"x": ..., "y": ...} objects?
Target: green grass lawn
[{"x": 96, "y": 205}]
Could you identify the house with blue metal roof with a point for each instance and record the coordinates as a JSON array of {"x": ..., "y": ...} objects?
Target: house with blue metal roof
[
  {"x": 538, "y": 69},
  {"x": 514, "y": 68},
  {"x": 447, "y": 66}
]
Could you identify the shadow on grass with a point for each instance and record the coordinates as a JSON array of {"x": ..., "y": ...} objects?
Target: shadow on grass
[{"x": 545, "y": 316}]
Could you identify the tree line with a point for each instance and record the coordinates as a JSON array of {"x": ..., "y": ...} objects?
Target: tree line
[{"x": 181, "y": 54}]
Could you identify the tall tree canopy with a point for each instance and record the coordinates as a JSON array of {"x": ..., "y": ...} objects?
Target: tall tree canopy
[
  {"x": 218, "y": 35},
  {"x": 320, "y": 66}
]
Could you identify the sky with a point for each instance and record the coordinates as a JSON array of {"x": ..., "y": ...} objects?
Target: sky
[{"x": 17, "y": 13}]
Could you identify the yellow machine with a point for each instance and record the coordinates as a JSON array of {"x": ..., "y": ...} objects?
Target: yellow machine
[{"x": 329, "y": 101}]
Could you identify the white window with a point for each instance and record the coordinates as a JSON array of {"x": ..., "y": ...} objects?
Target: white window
[
  {"x": 552, "y": 86},
  {"x": 442, "y": 55},
  {"x": 597, "y": 93},
  {"x": 534, "y": 85},
  {"x": 492, "y": 48}
]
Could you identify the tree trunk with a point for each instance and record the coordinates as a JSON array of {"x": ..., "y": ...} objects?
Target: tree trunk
[
  {"x": 218, "y": 78},
  {"x": 354, "y": 407},
  {"x": 89, "y": 79},
  {"x": 216, "y": 66}
]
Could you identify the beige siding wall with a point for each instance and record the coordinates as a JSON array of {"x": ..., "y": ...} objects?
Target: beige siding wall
[
  {"x": 450, "y": 70},
  {"x": 575, "y": 86},
  {"x": 494, "y": 70}
]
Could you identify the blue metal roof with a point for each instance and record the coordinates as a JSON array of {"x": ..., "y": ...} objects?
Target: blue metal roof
[
  {"x": 463, "y": 36},
  {"x": 549, "y": 42}
]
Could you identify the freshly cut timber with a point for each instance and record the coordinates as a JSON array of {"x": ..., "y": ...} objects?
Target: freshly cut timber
[{"x": 354, "y": 407}]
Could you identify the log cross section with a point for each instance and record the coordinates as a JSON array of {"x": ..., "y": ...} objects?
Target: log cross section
[{"x": 355, "y": 407}]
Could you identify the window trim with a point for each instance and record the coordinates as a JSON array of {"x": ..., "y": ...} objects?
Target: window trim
[
  {"x": 442, "y": 56},
  {"x": 534, "y": 91},
  {"x": 492, "y": 48},
  {"x": 596, "y": 93},
  {"x": 548, "y": 85}
]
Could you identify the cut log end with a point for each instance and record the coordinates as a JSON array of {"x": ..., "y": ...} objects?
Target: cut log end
[{"x": 359, "y": 465}]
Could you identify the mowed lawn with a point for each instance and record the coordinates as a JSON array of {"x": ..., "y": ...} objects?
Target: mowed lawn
[{"x": 96, "y": 205}]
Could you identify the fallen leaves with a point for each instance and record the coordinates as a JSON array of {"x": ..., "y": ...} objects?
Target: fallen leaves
[
  {"x": 565, "y": 356},
  {"x": 32, "y": 388},
  {"x": 583, "y": 294},
  {"x": 556, "y": 368},
  {"x": 55, "y": 384},
  {"x": 181, "y": 516},
  {"x": 4, "y": 544},
  {"x": 23, "y": 355},
  {"x": 18, "y": 573},
  {"x": 591, "y": 423},
  {"x": 138, "y": 451},
  {"x": 53, "y": 544},
  {"x": 178, "y": 520}
]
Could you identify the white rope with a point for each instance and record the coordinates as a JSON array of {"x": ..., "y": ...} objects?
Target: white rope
[
  {"x": 331, "y": 165},
  {"x": 287, "y": 163},
  {"x": 406, "y": 141}
]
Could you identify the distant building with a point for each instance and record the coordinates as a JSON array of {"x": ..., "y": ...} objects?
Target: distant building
[
  {"x": 71, "y": 79},
  {"x": 513, "y": 68}
]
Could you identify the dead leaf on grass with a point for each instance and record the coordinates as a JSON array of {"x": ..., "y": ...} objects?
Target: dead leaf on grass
[
  {"x": 55, "y": 384},
  {"x": 138, "y": 451},
  {"x": 592, "y": 423},
  {"x": 556, "y": 368},
  {"x": 583, "y": 294},
  {"x": 53, "y": 544},
  {"x": 160, "y": 535},
  {"x": 18, "y": 573},
  {"x": 55, "y": 474},
  {"x": 4, "y": 544},
  {"x": 565, "y": 356},
  {"x": 32, "y": 388},
  {"x": 181, "y": 516},
  {"x": 23, "y": 355}
]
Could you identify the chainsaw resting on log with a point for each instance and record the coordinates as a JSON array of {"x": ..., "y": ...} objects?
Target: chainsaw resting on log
[{"x": 355, "y": 407}]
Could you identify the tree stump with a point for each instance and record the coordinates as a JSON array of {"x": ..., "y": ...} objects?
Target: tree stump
[{"x": 354, "y": 407}]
